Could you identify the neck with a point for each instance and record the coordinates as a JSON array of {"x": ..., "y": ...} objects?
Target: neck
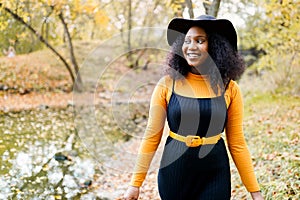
[
  {"x": 200, "y": 70},
  {"x": 194, "y": 70}
]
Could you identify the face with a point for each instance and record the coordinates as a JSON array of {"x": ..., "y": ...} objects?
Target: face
[{"x": 195, "y": 47}]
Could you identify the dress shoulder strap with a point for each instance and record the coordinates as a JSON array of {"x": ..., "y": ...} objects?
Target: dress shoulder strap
[{"x": 173, "y": 86}]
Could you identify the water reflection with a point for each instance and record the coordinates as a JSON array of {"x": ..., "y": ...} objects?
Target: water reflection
[
  {"x": 41, "y": 158},
  {"x": 38, "y": 174}
]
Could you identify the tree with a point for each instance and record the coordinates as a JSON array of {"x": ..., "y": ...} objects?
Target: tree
[
  {"x": 189, "y": 5},
  {"x": 273, "y": 29},
  {"x": 58, "y": 9},
  {"x": 212, "y": 7},
  {"x": 12, "y": 33},
  {"x": 131, "y": 14},
  {"x": 276, "y": 32},
  {"x": 178, "y": 6}
]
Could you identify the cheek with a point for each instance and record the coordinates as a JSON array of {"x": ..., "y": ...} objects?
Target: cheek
[
  {"x": 204, "y": 47},
  {"x": 184, "y": 50}
]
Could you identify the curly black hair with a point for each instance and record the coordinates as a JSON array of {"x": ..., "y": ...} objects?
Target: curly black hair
[{"x": 229, "y": 63}]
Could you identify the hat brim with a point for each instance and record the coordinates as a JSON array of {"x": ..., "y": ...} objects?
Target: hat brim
[{"x": 223, "y": 27}]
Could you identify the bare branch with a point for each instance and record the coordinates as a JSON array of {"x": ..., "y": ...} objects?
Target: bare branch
[{"x": 72, "y": 55}]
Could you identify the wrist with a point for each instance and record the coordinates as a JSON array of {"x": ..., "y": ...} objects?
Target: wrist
[
  {"x": 256, "y": 195},
  {"x": 133, "y": 186}
]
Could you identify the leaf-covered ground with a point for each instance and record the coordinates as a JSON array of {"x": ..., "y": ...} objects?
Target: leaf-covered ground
[
  {"x": 271, "y": 128},
  {"x": 272, "y": 131}
]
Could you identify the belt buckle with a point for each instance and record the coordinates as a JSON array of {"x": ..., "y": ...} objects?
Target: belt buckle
[{"x": 193, "y": 141}]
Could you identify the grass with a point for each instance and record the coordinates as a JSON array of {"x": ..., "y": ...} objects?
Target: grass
[
  {"x": 40, "y": 71},
  {"x": 272, "y": 131}
]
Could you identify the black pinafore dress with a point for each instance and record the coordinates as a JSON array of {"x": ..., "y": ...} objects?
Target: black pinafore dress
[{"x": 195, "y": 173}]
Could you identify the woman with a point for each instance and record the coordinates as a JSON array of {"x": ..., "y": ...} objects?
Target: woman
[{"x": 200, "y": 99}]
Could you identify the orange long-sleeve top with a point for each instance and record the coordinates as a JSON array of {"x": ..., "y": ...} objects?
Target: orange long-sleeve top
[{"x": 195, "y": 86}]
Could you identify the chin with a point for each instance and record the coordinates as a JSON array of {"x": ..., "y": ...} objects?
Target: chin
[{"x": 196, "y": 65}]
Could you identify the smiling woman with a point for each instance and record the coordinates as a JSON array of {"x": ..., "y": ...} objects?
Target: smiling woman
[{"x": 200, "y": 99}]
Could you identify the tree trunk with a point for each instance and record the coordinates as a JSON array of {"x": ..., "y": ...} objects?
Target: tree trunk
[
  {"x": 45, "y": 26},
  {"x": 206, "y": 5},
  {"x": 129, "y": 57},
  {"x": 212, "y": 8},
  {"x": 215, "y": 8},
  {"x": 189, "y": 4},
  {"x": 78, "y": 81}
]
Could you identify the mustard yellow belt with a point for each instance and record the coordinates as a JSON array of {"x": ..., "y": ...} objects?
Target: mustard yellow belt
[{"x": 194, "y": 140}]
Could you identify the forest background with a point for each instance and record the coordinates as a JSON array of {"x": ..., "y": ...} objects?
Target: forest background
[{"x": 48, "y": 48}]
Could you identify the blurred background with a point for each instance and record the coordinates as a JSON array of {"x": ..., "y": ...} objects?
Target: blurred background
[{"x": 45, "y": 43}]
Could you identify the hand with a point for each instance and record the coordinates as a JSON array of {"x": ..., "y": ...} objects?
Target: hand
[
  {"x": 256, "y": 196},
  {"x": 132, "y": 193}
]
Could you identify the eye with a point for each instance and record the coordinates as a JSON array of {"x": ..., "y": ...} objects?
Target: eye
[{"x": 201, "y": 41}]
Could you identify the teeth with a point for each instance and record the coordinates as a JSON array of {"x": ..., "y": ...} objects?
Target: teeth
[{"x": 193, "y": 55}]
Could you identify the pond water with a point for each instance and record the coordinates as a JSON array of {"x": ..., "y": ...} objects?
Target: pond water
[
  {"x": 41, "y": 157},
  {"x": 48, "y": 153}
]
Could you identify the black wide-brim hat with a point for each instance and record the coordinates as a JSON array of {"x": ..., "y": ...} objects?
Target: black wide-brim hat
[{"x": 209, "y": 23}]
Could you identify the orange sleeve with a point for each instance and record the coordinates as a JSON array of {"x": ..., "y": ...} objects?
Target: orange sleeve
[
  {"x": 234, "y": 134},
  {"x": 236, "y": 140},
  {"x": 153, "y": 133}
]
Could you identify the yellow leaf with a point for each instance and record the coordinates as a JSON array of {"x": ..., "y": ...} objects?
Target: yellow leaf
[
  {"x": 101, "y": 18},
  {"x": 57, "y": 196},
  {"x": 45, "y": 168},
  {"x": 89, "y": 8}
]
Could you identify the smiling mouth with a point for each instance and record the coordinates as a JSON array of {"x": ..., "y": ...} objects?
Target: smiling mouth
[{"x": 193, "y": 55}]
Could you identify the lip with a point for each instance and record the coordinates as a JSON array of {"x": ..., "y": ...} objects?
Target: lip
[{"x": 193, "y": 55}]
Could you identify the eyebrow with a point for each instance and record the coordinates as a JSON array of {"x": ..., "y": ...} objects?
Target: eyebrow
[{"x": 197, "y": 36}]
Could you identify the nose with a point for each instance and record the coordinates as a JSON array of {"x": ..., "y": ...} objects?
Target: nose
[{"x": 193, "y": 45}]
